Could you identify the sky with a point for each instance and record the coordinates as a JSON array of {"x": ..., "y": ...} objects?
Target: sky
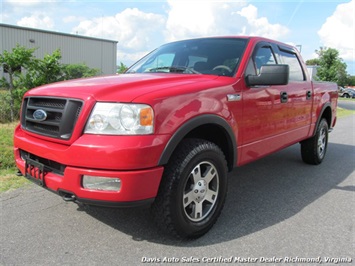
[{"x": 140, "y": 26}]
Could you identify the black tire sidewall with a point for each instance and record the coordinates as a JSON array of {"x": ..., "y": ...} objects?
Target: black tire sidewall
[
  {"x": 322, "y": 125},
  {"x": 309, "y": 147},
  {"x": 206, "y": 152}
]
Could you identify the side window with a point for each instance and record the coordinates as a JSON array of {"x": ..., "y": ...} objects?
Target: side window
[
  {"x": 296, "y": 72},
  {"x": 263, "y": 56},
  {"x": 250, "y": 68}
]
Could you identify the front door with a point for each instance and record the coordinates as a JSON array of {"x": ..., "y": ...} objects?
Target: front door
[{"x": 265, "y": 110}]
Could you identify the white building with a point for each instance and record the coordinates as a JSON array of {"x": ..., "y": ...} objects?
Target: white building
[
  {"x": 94, "y": 52},
  {"x": 312, "y": 70}
]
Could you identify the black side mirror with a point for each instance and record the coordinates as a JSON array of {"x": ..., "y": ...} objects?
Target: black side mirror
[{"x": 269, "y": 75}]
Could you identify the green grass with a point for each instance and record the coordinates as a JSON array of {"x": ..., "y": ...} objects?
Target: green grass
[
  {"x": 344, "y": 112},
  {"x": 6, "y": 143},
  {"x": 9, "y": 179},
  {"x": 346, "y": 99}
]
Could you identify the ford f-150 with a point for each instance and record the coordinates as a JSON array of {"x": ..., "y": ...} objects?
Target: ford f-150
[{"x": 168, "y": 130}]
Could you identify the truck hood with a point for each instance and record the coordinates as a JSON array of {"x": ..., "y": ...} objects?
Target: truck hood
[{"x": 124, "y": 87}]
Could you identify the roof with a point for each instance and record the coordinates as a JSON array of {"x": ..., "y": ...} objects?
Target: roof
[{"x": 55, "y": 33}]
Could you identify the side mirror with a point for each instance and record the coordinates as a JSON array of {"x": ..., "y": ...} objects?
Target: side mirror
[{"x": 269, "y": 75}]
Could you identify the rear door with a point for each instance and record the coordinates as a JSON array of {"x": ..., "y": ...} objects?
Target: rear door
[{"x": 299, "y": 95}]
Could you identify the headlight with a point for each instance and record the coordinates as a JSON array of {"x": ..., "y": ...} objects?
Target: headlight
[{"x": 120, "y": 119}]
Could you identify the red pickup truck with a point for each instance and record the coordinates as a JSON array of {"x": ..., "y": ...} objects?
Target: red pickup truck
[{"x": 168, "y": 130}]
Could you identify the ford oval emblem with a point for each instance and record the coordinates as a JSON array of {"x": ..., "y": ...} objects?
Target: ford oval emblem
[{"x": 39, "y": 115}]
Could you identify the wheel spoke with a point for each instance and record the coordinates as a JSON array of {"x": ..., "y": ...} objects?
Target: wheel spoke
[
  {"x": 211, "y": 173},
  {"x": 211, "y": 196},
  {"x": 188, "y": 198},
  {"x": 196, "y": 174},
  {"x": 197, "y": 211}
]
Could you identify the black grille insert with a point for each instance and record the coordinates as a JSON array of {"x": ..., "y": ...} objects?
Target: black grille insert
[{"x": 57, "y": 116}]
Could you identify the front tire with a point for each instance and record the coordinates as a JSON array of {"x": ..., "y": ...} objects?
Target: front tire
[
  {"x": 193, "y": 189},
  {"x": 313, "y": 150}
]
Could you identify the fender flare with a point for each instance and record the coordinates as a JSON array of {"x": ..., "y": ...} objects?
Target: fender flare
[
  {"x": 194, "y": 123},
  {"x": 325, "y": 106}
]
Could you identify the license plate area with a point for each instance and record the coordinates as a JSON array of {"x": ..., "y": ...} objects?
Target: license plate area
[{"x": 35, "y": 172}]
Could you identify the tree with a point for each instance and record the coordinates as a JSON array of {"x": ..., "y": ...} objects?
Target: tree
[
  {"x": 331, "y": 66},
  {"x": 351, "y": 80},
  {"x": 312, "y": 62},
  {"x": 49, "y": 69},
  {"x": 122, "y": 68},
  {"x": 13, "y": 63},
  {"x": 44, "y": 71},
  {"x": 26, "y": 72},
  {"x": 74, "y": 71}
]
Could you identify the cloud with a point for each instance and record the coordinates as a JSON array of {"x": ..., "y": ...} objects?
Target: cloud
[
  {"x": 260, "y": 26},
  {"x": 138, "y": 32},
  {"x": 38, "y": 21},
  {"x": 27, "y": 3},
  {"x": 134, "y": 30},
  {"x": 338, "y": 31},
  {"x": 188, "y": 19},
  {"x": 206, "y": 18},
  {"x": 70, "y": 19}
]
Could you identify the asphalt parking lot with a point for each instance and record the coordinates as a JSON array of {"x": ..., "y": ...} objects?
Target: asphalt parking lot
[{"x": 278, "y": 211}]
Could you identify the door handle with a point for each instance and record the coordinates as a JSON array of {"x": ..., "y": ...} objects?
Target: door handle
[
  {"x": 308, "y": 95},
  {"x": 283, "y": 97}
]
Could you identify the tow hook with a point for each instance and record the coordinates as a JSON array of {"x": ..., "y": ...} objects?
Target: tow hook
[
  {"x": 18, "y": 173},
  {"x": 68, "y": 197}
]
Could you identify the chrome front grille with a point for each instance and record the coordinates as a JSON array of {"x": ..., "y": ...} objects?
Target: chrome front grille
[{"x": 58, "y": 119}]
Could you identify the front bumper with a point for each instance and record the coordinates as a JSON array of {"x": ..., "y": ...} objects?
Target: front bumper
[{"x": 138, "y": 185}]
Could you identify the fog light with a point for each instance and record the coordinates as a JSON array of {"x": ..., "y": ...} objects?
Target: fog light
[{"x": 101, "y": 183}]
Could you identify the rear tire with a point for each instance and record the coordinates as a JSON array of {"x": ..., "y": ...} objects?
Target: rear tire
[
  {"x": 313, "y": 150},
  {"x": 193, "y": 189}
]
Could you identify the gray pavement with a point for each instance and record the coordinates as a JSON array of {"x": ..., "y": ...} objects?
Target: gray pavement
[
  {"x": 279, "y": 211},
  {"x": 346, "y": 104}
]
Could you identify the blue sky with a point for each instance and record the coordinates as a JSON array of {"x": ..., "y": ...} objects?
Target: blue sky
[{"x": 141, "y": 26}]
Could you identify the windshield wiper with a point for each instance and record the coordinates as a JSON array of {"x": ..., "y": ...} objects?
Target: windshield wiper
[{"x": 174, "y": 69}]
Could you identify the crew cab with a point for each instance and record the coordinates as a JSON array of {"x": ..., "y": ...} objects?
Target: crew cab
[{"x": 167, "y": 132}]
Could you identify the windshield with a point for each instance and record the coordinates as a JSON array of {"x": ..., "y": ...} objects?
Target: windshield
[{"x": 213, "y": 56}]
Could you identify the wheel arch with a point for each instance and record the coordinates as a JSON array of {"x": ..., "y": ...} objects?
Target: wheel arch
[
  {"x": 209, "y": 127},
  {"x": 326, "y": 113}
]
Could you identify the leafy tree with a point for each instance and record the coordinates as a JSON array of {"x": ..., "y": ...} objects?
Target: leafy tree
[
  {"x": 74, "y": 71},
  {"x": 49, "y": 69},
  {"x": 13, "y": 63},
  {"x": 331, "y": 66},
  {"x": 44, "y": 71},
  {"x": 26, "y": 72},
  {"x": 122, "y": 68},
  {"x": 351, "y": 80},
  {"x": 312, "y": 62}
]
